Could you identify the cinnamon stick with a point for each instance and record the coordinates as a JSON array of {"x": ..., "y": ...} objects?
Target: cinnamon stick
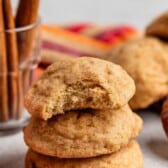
[
  {"x": 12, "y": 58},
  {"x": 3, "y": 71},
  {"x": 27, "y": 14}
]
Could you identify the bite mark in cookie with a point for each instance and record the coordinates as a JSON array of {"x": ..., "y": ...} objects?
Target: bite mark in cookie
[{"x": 79, "y": 83}]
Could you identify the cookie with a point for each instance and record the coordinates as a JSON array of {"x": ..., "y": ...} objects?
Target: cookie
[
  {"x": 138, "y": 125},
  {"x": 81, "y": 134},
  {"x": 158, "y": 27},
  {"x": 146, "y": 61},
  {"x": 79, "y": 83},
  {"x": 164, "y": 115},
  {"x": 128, "y": 157}
]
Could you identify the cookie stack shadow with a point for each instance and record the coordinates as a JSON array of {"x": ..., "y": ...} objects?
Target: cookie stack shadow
[{"x": 81, "y": 117}]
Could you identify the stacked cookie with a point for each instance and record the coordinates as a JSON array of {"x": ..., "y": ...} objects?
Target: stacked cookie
[{"x": 81, "y": 117}]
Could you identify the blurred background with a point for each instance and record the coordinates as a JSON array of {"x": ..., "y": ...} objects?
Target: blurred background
[{"x": 135, "y": 12}]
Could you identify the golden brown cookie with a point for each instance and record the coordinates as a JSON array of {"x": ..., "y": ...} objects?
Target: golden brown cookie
[
  {"x": 146, "y": 62},
  {"x": 79, "y": 83},
  {"x": 83, "y": 134},
  {"x": 164, "y": 115},
  {"x": 128, "y": 157},
  {"x": 159, "y": 27}
]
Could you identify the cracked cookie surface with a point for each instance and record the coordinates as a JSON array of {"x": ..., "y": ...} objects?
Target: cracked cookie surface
[
  {"x": 81, "y": 134},
  {"x": 146, "y": 61},
  {"x": 79, "y": 83},
  {"x": 128, "y": 157}
]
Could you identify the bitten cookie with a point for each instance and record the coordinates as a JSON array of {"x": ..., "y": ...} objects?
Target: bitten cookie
[
  {"x": 83, "y": 134},
  {"x": 159, "y": 27},
  {"x": 146, "y": 61},
  {"x": 128, "y": 157},
  {"x": 79, "y": 83}
]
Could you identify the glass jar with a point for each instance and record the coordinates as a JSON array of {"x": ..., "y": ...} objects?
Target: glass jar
[{"x": 19, "y": 57}]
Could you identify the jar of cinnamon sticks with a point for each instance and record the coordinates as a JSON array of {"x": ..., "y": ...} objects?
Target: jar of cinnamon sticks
[{"x": 19, "y": 57}]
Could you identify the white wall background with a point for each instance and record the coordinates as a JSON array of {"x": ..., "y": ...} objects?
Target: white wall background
[{"x": 136, "y": 12}]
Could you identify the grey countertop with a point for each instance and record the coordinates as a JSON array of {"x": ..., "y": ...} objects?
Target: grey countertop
[{"x": 152, "y": 140}]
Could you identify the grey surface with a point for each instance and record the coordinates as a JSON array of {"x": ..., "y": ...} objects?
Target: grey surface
[{"x": 152, "y": 139}]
